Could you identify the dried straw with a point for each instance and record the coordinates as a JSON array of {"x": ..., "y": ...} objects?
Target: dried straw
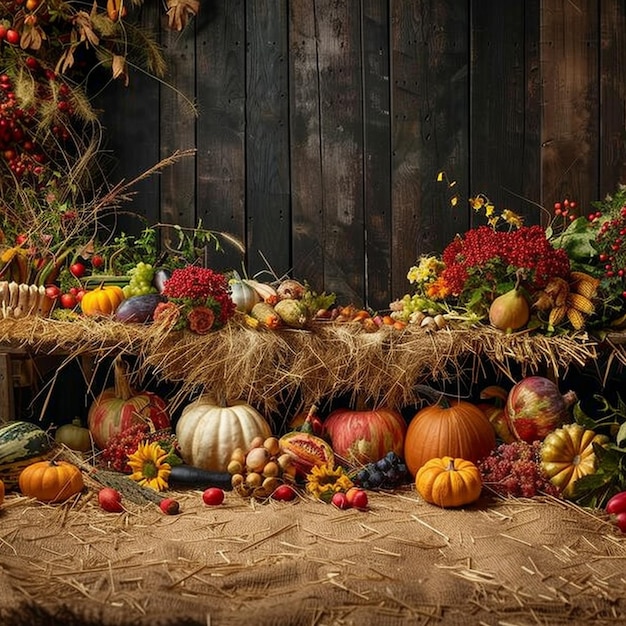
[{"x": 298, "y": 368}]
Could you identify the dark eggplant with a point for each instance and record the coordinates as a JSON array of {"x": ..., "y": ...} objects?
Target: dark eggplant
[
  {"x": 198, "y": 478},
  {"x": 161, "y": 276},
  {"x": 138, "y": 309}
]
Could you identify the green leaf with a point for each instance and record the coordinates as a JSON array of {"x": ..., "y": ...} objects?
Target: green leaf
[
  {"x": 581, "y": 418},
  {"x": 620, "y": 438}
]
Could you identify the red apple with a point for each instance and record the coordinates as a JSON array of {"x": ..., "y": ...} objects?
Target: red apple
[
  {"x": 213, "y": 496},
  {"x": 284, "y": 493},
  {"x": 68, "y": 300},
  {"x": 340, "y": 500},
  {"x": 357, "y": 498},
  {"x": 110, "y": 500},
  {"x": 365, "y": 436},
  {"x": 169, "y": 506},
  {"x": 77, "y": 269}
]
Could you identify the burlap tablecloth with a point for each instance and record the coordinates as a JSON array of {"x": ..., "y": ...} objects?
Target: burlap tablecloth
[{"x": 403, "y": 561}]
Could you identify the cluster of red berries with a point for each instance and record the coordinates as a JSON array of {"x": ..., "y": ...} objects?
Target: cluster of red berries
[
  {"x": 514, "y": 469},
  {"x": 10, "y": 35},
  {"x": 611, "y": 243},
  {"x": 17, "y": 145},
  {"x": 483, "y": 250},
  {"x": 115, "y": 454},
  {"x": 19, "y": 125},
  {"x": 565, "y": 209},
  {"x": 202, "y": 287}
]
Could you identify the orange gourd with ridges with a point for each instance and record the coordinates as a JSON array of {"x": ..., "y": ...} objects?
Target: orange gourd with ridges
[{"x": 458, "y": 429}]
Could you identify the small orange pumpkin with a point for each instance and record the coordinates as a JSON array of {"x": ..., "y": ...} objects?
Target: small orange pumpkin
[
  {"x": 51, "y": 481},
  {"x": 449, "y": 482},
  {"x": 458, "y": 429},
  {"x": 102, "y": 300}
]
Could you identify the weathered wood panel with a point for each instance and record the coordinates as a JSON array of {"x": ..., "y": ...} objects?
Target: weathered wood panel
[
  {"x": 220, "y": 128},
  {"x": 305, "y": 145},
  {"x": 322, "y": 126},
  {"x": 429, "y": 128},
  {"x": 178, "y": 132},
  {"x": 268, "y": 222},
  {"x": 612, "y": 95},
  {"x": 377, "y": 153},
  {"x": 505, "y": 106},
  {"x": 131, "y": 120},
  {"x": 569, "y": 69},
  {"x": 341, "y": 144}
]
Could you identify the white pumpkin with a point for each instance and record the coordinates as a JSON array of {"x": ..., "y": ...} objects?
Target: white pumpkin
[
  {"x": 208, "y": 433},
  {"x": 243, "y": 295}
]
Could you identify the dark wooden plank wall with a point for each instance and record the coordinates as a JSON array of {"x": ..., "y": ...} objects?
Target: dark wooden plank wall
[{"x": 322, "y": 125}]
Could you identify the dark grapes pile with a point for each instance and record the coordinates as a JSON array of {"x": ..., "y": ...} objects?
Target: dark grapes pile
[
  {"x": 514, "y": 469},
  {"x": 386, "y": 473}
]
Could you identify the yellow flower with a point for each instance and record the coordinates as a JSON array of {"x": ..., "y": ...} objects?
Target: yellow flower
[
  {"x": 413, "y": 274},
  {"x": 512, "y": 218},
  {"x": 478, "y": 202},
  {"x": 149, "y": 466},
  {"x": 326, "y": 480},
  {"x": 427, "y": 270}
]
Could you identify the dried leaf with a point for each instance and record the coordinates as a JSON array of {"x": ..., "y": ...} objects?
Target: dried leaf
[
  {"x": 84, "y": 26},
  {"x": 119, "y": 68},
  {"x": 32, "y": 37},
  {"x": 66, "y": 60},
  {"x": 178, "y": 12}
]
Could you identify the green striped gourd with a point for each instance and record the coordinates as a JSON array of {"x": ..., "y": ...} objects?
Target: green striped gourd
[{"x": 21, "y": 443}]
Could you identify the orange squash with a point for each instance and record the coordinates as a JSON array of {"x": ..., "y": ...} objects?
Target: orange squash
[
  {"x": 458, "y": 429},
  {"x": 568, "y": 454},
  {"x": 102, "y": 300},
  {"x": 51, "y": 481},
  {"x": 449, "y": 482}
]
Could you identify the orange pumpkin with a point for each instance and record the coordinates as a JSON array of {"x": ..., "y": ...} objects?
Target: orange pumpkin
[
  {"x": 449, "y": 482},
  {"x": 102, "y": 300},
  {"x": 51, "y": 481},
  {"x": 458, "y": 429}
]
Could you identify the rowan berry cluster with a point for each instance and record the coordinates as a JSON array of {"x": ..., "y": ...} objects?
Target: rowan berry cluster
[
  {"x": 611, "y": 243},
  {"x": 514, "y": 469},
  {"x": 115, "y": 455},
  {"x": 19, "y": 127},
  {"x": 495, "y": 257},
  {"x": 195, "y": 286}
]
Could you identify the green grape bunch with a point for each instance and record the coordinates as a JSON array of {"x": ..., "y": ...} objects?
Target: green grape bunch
[{"x": 140, "y": 283}]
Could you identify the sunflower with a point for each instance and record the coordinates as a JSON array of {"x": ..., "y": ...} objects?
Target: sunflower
[
  {"x": 149, "y": 466},
  {"x": 326, "y": 480}
]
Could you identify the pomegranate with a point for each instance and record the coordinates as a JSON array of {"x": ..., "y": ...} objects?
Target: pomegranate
[{"x": 535, "y": 407}]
